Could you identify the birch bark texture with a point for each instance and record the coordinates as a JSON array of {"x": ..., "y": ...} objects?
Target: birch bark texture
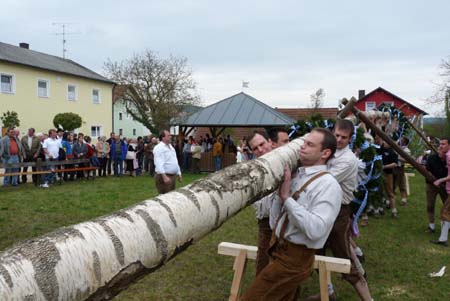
[{"x": 97, "y": 259}]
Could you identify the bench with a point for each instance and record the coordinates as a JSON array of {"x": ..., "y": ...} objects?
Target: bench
[
  {"x": 324, "y": 264},
  {"x": 42, "y": 168}
]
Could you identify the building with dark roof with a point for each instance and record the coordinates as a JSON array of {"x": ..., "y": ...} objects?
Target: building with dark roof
[
  {"x": 38, "y": 86},
  {"x": 374, "y": 99}
]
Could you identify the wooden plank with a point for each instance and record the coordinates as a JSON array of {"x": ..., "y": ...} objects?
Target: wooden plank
[
  {"x": 11, "y": 174},
  {"x": 407, "y": 175},
  {"x": 76, "y": 169},
  {"x": 333, "y": 264},
  {"x": 239, "y": 270},
  {"x": 323, "y": 281},
  {"x": 44, "y": 163},
  {"x": 232, "y": 249}
]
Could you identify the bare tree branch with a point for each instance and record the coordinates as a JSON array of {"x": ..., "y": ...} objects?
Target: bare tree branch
[
  {"x": 158, "y": 89},
  {"x": 316, "y": 99}
]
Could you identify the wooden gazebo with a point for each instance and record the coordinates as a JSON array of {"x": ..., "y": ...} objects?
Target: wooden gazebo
[{"x": 237, "y": 111}]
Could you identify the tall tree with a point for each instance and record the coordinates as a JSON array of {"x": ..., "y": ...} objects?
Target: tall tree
[
  {"x": 316, "y": 99},
  {"x": 157, "y": 89},
  {"x": 442, "y": 94}
]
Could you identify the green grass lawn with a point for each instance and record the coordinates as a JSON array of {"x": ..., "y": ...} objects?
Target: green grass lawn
[{"x": 398, "y": 253}]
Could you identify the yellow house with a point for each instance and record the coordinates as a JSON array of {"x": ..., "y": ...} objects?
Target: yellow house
[{"x": 38, "y": 86}]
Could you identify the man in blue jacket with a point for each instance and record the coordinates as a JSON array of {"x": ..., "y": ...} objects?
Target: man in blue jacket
[{"x": 118, "y": 153}]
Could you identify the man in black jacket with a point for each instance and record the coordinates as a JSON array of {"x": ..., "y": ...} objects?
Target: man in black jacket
[
  {"x": 438, "y": 168},
  {"x": 110, "y": 160}
]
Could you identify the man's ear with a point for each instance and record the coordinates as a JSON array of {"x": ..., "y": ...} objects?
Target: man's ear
[
  {"x": 326, "y": 153},
  {"x": 271, "y": 142}
]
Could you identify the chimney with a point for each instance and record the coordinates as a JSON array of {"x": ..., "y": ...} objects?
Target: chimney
[
  {"x": 24, "y": 45},
  {"x": 361, "y": 94}
]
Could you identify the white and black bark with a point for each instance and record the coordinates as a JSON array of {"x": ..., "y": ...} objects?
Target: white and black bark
[{"x": 97, "y": 259}]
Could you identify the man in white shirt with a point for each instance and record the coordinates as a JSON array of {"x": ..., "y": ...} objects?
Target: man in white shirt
[
  {"x": 261, "y": 144},
  {"x": 344, "y": 168},
  {"x": 51, "y": 148},
  {"x": 166, "y": 164},
  {"x": 302, "y": 222}
]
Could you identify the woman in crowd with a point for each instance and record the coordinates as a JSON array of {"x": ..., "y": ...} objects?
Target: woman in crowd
[
  {"x": 67, "y": 144},
  {"x": 90, "y": 154},
  {"x": 102, "y": 155},
  {"x": 131, "y": 157},
  {"x": 79, "y": 152}
]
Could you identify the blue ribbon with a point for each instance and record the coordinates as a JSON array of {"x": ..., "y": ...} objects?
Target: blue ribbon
[
  {"x": 362, "y": 187},
  {"x": 359, "y": 212},
  {"x": 352, "y": 142},
  {"x": 294, "y": 129}
]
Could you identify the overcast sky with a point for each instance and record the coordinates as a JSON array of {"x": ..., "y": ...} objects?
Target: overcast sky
[{"x": 285, "y": 49}]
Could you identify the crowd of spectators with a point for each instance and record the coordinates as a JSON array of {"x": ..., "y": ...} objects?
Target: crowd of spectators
[{"x": 113, "y": 156}]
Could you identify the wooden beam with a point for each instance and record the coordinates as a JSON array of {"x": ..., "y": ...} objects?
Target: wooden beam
[
  {"x": 232, "y": 249},
  {"x": 431, "y": 146},
  {"x": 347, "y": 109},
  {"x": 213, "y": 132},
  {"x": 239, "y": 270},
  {"x": 333, "y": 264},
  {"x": 407, "y": 176},
  {"x": 221, "y": 131},
  {"x": 394, "y": 145},
  {"x": 323, "y": 277}
]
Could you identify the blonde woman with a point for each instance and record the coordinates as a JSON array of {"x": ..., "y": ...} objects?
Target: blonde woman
[
  {"x": 130, "y": 158},
  {"x": 103, "y": 149}
]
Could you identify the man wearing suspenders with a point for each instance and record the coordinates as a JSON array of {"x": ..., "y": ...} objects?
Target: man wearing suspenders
[
  {"x": 302, "y": 217},
  {"x": 344, "y": 167}
]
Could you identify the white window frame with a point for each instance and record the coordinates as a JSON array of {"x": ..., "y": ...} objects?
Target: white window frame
[
  {"x": 100, "y": 130},
  {"x": 48, "y": 87},
  {"x": 388, "y": 103},
  {"x": 76, "y": 92},
  {"x": 13, "y": 83},
  {"x": 99, "y": 101},
  {"x": 372, "y": 103}
]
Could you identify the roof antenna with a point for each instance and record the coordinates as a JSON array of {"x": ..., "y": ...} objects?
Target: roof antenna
[{"x": 63, "y": 34}]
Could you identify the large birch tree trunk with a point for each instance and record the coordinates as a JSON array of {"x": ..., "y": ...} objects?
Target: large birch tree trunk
[{"x": 97, "y": 259}]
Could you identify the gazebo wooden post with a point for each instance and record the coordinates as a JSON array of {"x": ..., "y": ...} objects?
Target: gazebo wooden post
[
  {"x": 181, "y": 135},
  {"x": 212, "y": 130}
]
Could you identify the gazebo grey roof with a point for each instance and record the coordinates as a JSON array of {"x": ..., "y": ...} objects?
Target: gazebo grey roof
[{"x": 240, "y": 110}]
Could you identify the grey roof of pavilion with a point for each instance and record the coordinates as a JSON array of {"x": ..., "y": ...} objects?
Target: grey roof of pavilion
[
  {"x": 240, "y": 110},
  {"x": 35, "y": 59}
]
